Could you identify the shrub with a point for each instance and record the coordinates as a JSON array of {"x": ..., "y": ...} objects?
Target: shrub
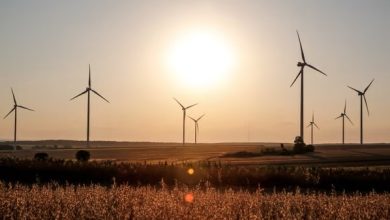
[
  {"x": 6, "y": 147},
  {"x": 271, "y": 151},
  {"x": 41, "y": 156},
  {"x": 242, "y": 154},
  {"x": 83, "y": 155},
  {"x": 299, "y": 145},
  {"x": 310, "y": 148}
]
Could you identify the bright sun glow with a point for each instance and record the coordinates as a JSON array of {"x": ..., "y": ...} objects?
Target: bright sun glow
[{"x": 201, "y": 59}]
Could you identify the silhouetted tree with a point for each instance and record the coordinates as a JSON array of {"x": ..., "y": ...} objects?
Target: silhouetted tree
[
  {"x": 310, "y": 148},
  {"x": 83, "y": 155},
  {"x": 299, "y": 145},
  {"x": 41, "y": 156}
]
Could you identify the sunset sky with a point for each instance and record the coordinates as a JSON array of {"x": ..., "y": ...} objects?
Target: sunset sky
[{"x": 236, "y": 59}]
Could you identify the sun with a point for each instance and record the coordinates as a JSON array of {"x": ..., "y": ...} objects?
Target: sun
[{"x": 201, "y": 59}]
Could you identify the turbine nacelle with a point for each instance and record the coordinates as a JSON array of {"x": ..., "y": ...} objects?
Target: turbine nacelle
[
  {"x": 304, "y": 64},
  {"x": 87, "y": 89},
  {"x": 363, "y": 94}
]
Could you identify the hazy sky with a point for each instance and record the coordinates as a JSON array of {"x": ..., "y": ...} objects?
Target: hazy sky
[{"x": 46, "y": 46}]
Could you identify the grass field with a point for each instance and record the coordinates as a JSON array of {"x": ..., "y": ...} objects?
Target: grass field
[{"x": 125, "y": 202}]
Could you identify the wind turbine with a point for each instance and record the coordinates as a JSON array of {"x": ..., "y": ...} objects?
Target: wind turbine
[
  {"x": 88, "y": 90},
  {"x": 300, "y": 73},
  {"x": 184, "y": 118},
  {"x": 362, "y": 96},
  {"x": 196, "y": 126},
  {"x": 311, "y": 124},
  {"x": 344, "y": 115},
  {"x": 15, "y": 110}
]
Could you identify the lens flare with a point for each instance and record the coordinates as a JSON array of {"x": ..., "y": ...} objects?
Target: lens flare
[
  {"x": 190, "y": 171},
  {"x": 189, "y": 197}
]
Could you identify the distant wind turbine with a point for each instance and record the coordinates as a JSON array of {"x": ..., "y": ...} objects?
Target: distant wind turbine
[
  {"x": 184, "y": 118},
  {"x": 88, "y": 91},
  {"x": 362, "y": 96},
  {"x": 15, "y": 110},
  {"x": 344, "y": 115},
  {"x": 311, "y": 124},
  {"x": 300, "y": 73},
  {"x": 196, "y": 126}
]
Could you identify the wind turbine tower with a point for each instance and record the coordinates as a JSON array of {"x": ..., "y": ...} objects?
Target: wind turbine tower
[
  {"x": 15, "y": 110},
  {"x": 362, "y": 96},
  {"x": 344, "y": 115},
  {"x": 302, "y": 65},
  {"x": 196, "y": 126},
  {"x": 311, "y": 125},
  {"x": 184, "y": 118},
  {"x": 88, "y": 90}
]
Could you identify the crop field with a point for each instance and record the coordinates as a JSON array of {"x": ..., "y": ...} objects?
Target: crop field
[
  {"x": 170, "y": 181},
  {"x": 126, "y": 202},
  {"x": 325, "y": 154}
]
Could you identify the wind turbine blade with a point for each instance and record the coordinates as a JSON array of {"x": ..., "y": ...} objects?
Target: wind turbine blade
[
  {"x": 9, "y": 112},
  {"x": 13, "y": 95},
  {"x": 345, "y": 107},
  {"x": 338, "y": 117},
  {"x": 354, "y": 89},
  {"x": 201, "y": 117},
  {"x": 191, "y": 106},
  {"x": 300, "y": 44},
  {"x": 316, "y": 125},
  {"x": 309, "y": 125},
  {"x": 192, "y": 118},
  {"x": 178, "y": 102},
  {"x": 365, "y": 90},
  {"x": 99, "y": 95},
  {"x": 79, "y": 94},
  {"x": 300, "y": 72},
  {"x": 349, "y": 119},
  {"x": 312, "y": 117},
  {"x": 316, "y": 69},
  {"x": 25, "y": 108},
  {"x": 365, "y": 101},
  {"x": 89, "y": 76}
]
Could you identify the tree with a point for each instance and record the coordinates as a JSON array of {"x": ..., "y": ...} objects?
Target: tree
[
  {"x": 41, "y": 156},
  {"x": 299, "y": 145},
  {"x": 83, "y": 156}
]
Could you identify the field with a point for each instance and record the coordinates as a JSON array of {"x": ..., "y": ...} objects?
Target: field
[
  {"x": 153, "y": 181},
  {"x": 325, "y": 154},
  {"x": 125, "y": 202}
]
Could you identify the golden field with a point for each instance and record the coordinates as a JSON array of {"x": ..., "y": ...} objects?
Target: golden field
[{"x": 125, "y": 202}]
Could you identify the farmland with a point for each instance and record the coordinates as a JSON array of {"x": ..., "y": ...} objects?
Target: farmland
[
  {"x": 145, "y": 202},
  {"x": 153, "y": 180},
  {"x": 325, "y": 154}
]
